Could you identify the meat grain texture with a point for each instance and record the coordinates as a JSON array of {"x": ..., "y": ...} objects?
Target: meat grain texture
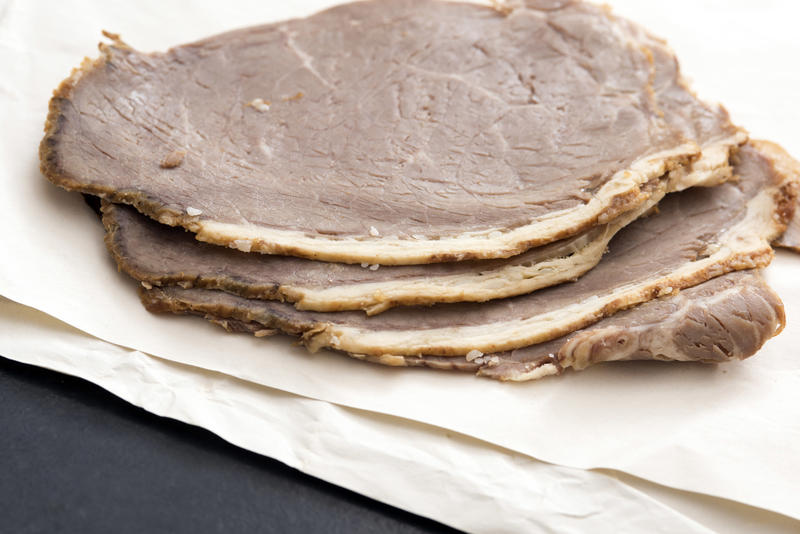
[{"x": 483, "y": 133}]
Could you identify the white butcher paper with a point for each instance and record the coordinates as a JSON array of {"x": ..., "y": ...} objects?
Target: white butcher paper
[
  {"x": 731, "y": 431},
  {"x": 449, "y": 477}
]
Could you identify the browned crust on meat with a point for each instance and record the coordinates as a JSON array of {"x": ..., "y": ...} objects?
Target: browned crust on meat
[
  {"x": 50, "y": 164},
  {"x": 122, "y": 257},
  {"x": 787, "y": 165},
  {"x": 787, "y": 175},
  {"x": 156, "y": 301}
]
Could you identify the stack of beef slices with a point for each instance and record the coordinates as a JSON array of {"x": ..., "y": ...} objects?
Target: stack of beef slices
[{"x": 510, "y": 192}]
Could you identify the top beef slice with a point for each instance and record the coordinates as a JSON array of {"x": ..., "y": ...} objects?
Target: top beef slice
[{"x": 392, "y": 132}]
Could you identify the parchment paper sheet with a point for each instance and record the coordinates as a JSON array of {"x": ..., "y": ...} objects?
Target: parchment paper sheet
[
  {"x": 732, "y": 431},
  {"x": 447, "y": 476}
]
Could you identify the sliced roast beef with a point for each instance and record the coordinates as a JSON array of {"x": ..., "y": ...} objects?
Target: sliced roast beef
[
  {"x": 159, "y": 255},
  {"x": 726, "y": 318},
  {"x": 723, "y": 319},
  {"x": 391, "y": 132},
  {"x": 699, "y": 234}
]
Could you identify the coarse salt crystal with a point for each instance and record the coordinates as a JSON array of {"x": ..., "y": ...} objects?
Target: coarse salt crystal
[
  {"x": 374, "y": 267},
  {"x": 193, "y": 211},
  {"x": 242, "y": 244},
  {"x": 147, "y": 285},
  {"x": 473, "y": 355},
  {"x": 365, "y": 265},
  {"x": 374, "y": 231},
  {"x": 259, "y": 104}
]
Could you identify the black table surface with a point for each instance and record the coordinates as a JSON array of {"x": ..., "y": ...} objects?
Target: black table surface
[{"x": 75, "y": 458}]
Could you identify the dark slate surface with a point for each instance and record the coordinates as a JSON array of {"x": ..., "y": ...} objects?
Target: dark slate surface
[{"x": 74, "y": 458}]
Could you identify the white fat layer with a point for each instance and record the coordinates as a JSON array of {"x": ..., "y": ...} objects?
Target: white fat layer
[
  {"x": 567, "y": 262},
  {"x": 711, "y": 168}
]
